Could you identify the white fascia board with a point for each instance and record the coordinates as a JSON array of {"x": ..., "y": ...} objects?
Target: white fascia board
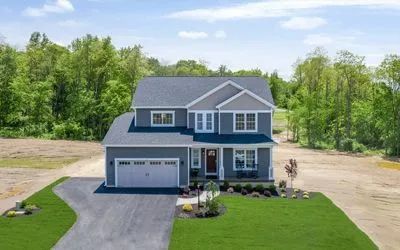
[
  {"x": 158, "y": 107},
  {"x": 229, "y": 82},
  {"x": 246, "y": 91}
]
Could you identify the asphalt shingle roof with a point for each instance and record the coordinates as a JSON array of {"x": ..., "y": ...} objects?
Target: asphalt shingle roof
[
  {"x": 180, "y": 91},
  {"x": 123, "y": 132}
]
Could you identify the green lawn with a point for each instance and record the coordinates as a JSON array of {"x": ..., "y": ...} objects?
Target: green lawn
[
  {"x": 41, "y": 230},
  {"x": 271, "y": 224}
]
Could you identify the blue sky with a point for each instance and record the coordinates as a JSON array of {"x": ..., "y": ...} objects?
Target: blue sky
[{"x": 265, "y": 34}]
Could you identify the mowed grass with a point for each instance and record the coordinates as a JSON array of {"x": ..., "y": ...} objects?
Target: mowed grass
[
  {"x": 280, "y": 120},
  {"x": 389, "y": 164},
  {"x": 36, "y": 162},
  {"x": 271, "y": 224},
  {"x": 41, "y": 230}
]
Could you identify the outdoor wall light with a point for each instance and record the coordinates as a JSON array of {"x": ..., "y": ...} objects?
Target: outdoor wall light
[{"x": 111, "y": 162}]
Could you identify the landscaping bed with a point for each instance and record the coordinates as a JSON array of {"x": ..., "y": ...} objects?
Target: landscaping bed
[{"x": 196, "y": 212}]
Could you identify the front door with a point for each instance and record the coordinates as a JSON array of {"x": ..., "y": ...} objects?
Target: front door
[{"x": 211, "y": 161}]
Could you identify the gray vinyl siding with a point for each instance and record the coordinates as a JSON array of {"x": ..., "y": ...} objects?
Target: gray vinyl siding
[
  {"x": 245, "y": 102},
  {"x": 263, "y": 124},
  {"x": 143, "y": 117},
  {"x": 192, "y": 121},
  {"x": 146, "y": 152},
  {"x": 216, "y": 98},
  {"x": 263, "y": 156}
]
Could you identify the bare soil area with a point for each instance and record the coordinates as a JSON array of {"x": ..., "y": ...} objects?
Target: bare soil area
[
  {"x": 367, "y": 193},
  {"x": 28, "y": 165}
]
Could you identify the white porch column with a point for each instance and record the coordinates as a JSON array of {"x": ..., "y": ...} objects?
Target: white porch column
[
  {"x": 271, "y": 168},
  {"x": 221, "y": 164}
]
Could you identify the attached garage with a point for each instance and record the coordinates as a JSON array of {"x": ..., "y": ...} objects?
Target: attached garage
[{"x": 147, "y": 172}]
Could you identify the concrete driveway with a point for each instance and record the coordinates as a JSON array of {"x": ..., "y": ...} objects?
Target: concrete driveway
[{"x": 118, "y": 218}]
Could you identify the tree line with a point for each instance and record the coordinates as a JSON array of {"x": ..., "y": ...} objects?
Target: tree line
[
  {"x": 340, "y": 103},
  {"x": 75, "y": 91}
]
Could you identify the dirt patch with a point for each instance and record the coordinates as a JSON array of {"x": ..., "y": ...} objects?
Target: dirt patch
[
  {"x": 61, "y": 158},
  {"x": 368, "y": 194}
]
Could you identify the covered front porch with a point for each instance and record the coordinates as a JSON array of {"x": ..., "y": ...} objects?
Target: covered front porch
[{"x": 234, "y": 164}]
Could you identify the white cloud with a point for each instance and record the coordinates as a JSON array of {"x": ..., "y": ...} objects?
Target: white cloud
[
  {"x": 303, "y": 23},
  {"x": 220, "y": 34},
  {"x": 57, "y": 6},
  {"x": 275, "y": 8},
  {"x": 318, "y": 40},
  {"x": 192, "y": 34}
]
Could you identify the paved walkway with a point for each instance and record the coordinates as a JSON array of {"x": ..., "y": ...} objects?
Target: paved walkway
[{"x": 194, "y": 200}]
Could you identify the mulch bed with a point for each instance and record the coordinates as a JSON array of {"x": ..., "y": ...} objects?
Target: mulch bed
[
  {"x": 179, "y": 213},
  {"x": 34, "y": 211},
  {"x": 289, "y": 192}
]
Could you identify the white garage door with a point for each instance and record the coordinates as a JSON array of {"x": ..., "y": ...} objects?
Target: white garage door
[{"x": 147, "y": 172}]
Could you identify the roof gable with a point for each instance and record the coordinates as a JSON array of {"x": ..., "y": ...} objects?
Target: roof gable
[{"x": 249, "y": 104}]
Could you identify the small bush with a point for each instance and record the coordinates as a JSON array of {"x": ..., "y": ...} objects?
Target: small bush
[
  {"x": 272, "y": 188},
  {"x": 306, "y": 196},
  {"x": 23, "y": 203},
  {"x": 267, "y": 193},
  {"x": 296, "y": 190},
  {"x": 248, "y": 187},
  {"x": 11, "y": 213},
  {"x": 259, "y": 188},
  {"x": 294, "y": 196},
  {"x": 282, "y": 184},
  {"x": 29, "y": 208},
  {"x": 230, "y": 190},
  {"x": 283, "y": 190},
  {"x": 305, "y": 193},
  {"x": 212, "y": 206},
  {"x": 238, "y": 188},
  {"x": 255, "y": 194},
  {"x": 225, "y": 186},
  {"x": 244, "y": 191},
  {"x": 187, "y": 207},
  {"x": 283, "y": 195}
]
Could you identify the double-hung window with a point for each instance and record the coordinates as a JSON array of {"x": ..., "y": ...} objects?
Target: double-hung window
[
  {"x": 245, "y": 122},
  {"x": 204, "y": 122},
  {"x": 162, "y": 118},
  {"x": 245, "y": 159},
  {"x": 196, "y": 158}
]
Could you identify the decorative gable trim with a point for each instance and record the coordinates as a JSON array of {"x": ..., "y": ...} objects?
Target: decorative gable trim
[
  {"x": 246, "y": 91},
  {"x": 229, "y": 82}
]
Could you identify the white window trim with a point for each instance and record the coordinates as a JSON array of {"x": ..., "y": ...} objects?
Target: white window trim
[
  {"x": 204, "y": 130},
  {"x": 162, "y": 112},
  {"x": 198, "y": 167},
  {"x": 245, "y": 122},
  {"x": 246, "y": 168}
]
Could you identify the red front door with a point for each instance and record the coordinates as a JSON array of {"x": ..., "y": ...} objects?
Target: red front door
[{"x": 211, "y": 161}]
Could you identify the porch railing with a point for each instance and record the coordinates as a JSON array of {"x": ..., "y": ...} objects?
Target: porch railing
[{"x": 244, "y": 171}]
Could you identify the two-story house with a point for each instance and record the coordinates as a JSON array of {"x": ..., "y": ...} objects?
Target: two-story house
[{"x": 192, "y": 128}]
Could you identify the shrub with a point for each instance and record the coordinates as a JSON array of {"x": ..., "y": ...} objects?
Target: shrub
[
  {"x": 296, "y": 190},
  {"x": 238, "y": 188},
  {"x": 23, "y": 203},
  {"x": 283, "y": 190},
  {"x": 187, "y": 207},
  {"x": 11, "y": 213},
  {"x": 195, "y": 184},
  {"x": 248, "y": 187},
  {"x": 225, "y": 186},
  {"x": 29, "y": 208},
  {"x": 230, "y": 190},
  {"x": 305, "y": 196},
  {"x": 259, "y": 188},
  {"x": 244, "y": 191},
  {"x": 283, "y": 195},
  {"x": 294, "y": 196},
  {"x": 282, "y": 184},
  {"x": 255, "y": 194},
  {"x": 212, "y": 206},
  {"x": 267, "y": 193},
  {"x": 305, "y": 193}
]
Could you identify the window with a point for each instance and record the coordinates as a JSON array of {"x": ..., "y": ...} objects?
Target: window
[
  {"x": 245, "y": 159},
  {"x": 155, "y": 162},
  {"x": 245, "y": 122},
  {"x": 196, "y": 158},
  {"x": 204, "y": 122},
  {"x": 162, "y": 118}
]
